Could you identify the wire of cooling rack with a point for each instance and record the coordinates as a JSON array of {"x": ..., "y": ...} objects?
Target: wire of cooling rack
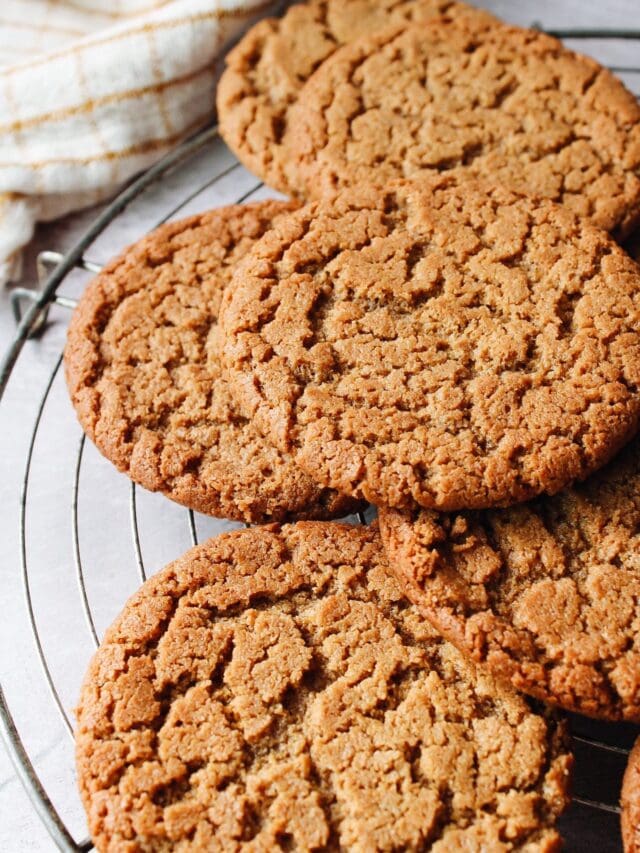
[
  {"x": 23, "y": 553},
  {"x": 33, "y": 321},
  {"x": 76, "y": 547}
]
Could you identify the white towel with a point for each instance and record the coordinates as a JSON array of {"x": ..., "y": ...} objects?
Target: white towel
[{"x": 90, "y": 97}]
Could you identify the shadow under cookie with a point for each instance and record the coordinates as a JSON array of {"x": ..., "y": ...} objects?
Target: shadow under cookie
[{"x": 630, "y": 801}]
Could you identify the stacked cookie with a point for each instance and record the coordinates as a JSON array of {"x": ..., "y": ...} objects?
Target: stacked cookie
[
  {"x": 441, "y": 87},
  {"x": 446, "y": 329},
  {"x": 144, "y": 373},
  {"x": 272, "y": 690}
]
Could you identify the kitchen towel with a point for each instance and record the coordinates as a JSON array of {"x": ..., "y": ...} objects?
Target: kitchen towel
[{"x": 92, "y": 93}]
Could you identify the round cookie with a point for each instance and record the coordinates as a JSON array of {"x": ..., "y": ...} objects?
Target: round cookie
[
  {"x": 437, "y": 343},
  {"x": 273, "y": 690},
  {"x": 547, "y": 594},
  {"x": 630, "y": 815},
  {"x": 500, "y": 103},
  {"x": 268, "y": 67},
  {"x": 143, "y": 372}
]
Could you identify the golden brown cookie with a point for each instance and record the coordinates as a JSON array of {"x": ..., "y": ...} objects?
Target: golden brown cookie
[
  {"x": 273, "y": 690},
  {"x": 267, "y": 69},
  {"x": 508, "y": 105},
  {"x": 547, "y": 594},
  {"x": 437, "y": 343},
  {"x": 143, "y": 372},
  {"x": 630, "y": 816}
]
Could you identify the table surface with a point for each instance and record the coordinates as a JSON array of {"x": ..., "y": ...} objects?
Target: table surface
[{"x": 113, "y": 571}]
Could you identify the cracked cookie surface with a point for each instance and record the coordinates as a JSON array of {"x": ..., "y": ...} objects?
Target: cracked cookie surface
[
  {"x": 272, "y": 689},
  {"x": 437, "y": 343},
  {"x": 547, "y": 594},
  {"x": 143, "y": 372},
  {"x": 269, "y": 66},
  {"x": 630, "y": 801},
  {"x": 508, "y": 105}
]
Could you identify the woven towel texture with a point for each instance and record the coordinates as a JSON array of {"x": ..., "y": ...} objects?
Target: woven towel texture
[{"x": 89, "y": 97}]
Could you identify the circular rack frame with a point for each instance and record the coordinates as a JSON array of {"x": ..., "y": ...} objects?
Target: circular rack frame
[{"x": 593, "y": 742}]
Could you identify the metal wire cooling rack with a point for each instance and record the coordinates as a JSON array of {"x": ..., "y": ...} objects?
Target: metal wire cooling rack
[{"x": 71, "y": 545}]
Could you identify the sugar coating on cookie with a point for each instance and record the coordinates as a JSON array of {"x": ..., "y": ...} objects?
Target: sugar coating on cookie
[
  {"x": 269, "y": 66},
  {"x": 630, "y": 801},
  {"x": 437, "y": 343},
  {"x": 502, "y": 103},
  {"x": 143, "y": 372},
  {"x": 547, "y": 594},
  {"x": 272, "y": 689}
]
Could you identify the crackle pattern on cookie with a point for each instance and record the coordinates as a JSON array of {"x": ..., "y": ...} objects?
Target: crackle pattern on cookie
[
  {"x": 437, "y": 343},
  {"x": 272, "y": 689},
  {"x": 630, "y": 801},
  {"x": 547, "y": 594},
  {"x": 269, "y": 66},
  {"x": 509, "y": 105},
  {"x": 143, "y": 372}
]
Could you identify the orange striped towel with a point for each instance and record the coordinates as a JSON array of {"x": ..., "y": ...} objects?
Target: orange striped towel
[{"x": 89, "y": 97}]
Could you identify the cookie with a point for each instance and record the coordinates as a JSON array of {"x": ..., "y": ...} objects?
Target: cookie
[
  {"x": 547, "y": 594},
  {"x": 437, "y": 343},
  {"x": 144, "y": 376},
  {"x": 273, "y": 690},
  {"x": 500, "y": 103},
  {"x": 630, "y": 815},
  {"x": 268, "y": 67}
]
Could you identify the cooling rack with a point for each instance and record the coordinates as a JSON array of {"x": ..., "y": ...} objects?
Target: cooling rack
[{"x": 88, "y": 537}]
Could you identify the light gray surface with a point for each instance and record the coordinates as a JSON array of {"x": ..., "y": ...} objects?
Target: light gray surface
[{"x": 106, "y": 544}]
